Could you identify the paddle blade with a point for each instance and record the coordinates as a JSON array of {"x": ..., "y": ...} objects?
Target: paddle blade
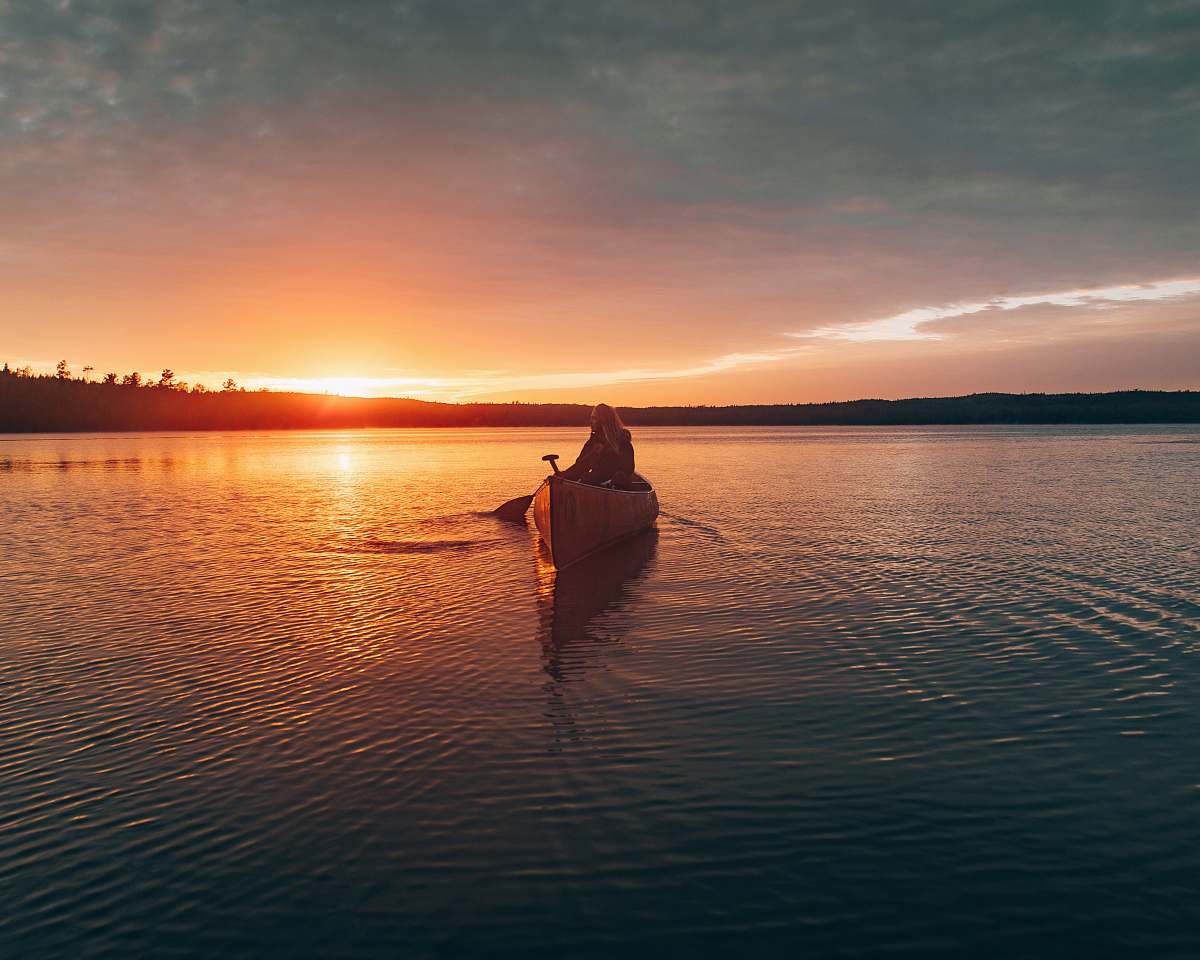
[{"x": 514, "y": 510}]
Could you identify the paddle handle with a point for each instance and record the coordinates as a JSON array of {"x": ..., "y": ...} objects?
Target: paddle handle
[{"x": 552, "y": 457}]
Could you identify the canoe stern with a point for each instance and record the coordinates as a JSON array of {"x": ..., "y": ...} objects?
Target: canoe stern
[{"x": 576, "y": 519}]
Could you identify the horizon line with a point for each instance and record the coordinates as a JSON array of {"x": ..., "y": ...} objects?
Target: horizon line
[{"x": 205, "y": 391}]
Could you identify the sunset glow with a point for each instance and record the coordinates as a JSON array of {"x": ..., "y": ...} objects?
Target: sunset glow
[
  {"x": 254, "y": 198},
  {"x": 351, "y": 386}
]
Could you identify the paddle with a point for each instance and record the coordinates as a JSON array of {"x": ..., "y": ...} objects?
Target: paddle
[{"x": 514, "y": 510}]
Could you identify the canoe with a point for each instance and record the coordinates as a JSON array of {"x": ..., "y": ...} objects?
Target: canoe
[{"x": 576, "y": 519}]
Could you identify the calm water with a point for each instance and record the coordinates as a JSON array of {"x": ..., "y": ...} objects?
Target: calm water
[{"x": 866, "y": 692}]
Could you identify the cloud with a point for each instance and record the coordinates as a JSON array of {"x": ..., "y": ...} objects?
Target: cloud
[
  {"x": 1014, "y": 115},
  {"x": 914, "y": 324},
  {"x": 1080, "y": 110},
  {"x": 489, "y": 383}
]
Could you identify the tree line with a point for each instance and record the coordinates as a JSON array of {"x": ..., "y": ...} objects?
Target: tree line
[
  {"x": 166, "y": 380},
  {"x": 61, "y": 402}
]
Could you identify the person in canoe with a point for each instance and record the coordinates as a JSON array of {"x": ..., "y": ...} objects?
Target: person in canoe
[{"x": 607, "y": 457}]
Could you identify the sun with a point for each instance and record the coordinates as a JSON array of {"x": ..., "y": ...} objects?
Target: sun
[
  {"x": 347, "y": 386},
  {"x": 351, "y": 386}
]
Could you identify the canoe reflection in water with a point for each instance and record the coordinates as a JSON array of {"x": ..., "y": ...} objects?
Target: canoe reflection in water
[{"x": 569, "y": 600}]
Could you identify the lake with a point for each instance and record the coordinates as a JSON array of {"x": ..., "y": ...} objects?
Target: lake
[{"x": 866, "y": 692}]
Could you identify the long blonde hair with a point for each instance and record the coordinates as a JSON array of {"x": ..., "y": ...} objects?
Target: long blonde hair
[{"x": 612, "y": 429}]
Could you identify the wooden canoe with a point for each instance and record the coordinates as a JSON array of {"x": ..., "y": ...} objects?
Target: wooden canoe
[{"x": 577, "y": 519}]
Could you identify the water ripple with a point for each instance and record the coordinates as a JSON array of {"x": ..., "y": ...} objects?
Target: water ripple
[{"x": 863, "y": 692}]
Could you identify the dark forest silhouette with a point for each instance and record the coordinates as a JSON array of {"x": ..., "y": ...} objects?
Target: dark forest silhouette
[{"x": 59, "y": 402}]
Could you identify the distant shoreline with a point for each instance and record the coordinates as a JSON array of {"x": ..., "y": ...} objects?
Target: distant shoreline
[{"x": 48, "y": 404}]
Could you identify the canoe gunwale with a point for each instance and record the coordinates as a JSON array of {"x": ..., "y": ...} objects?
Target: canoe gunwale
[{"x": 593, "y": 486}]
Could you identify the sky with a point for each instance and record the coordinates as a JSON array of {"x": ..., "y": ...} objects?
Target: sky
[{"x": 637, "y": 202}]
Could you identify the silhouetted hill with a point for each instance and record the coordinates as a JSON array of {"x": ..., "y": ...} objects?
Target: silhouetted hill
[{"x": 45, "y": 404}]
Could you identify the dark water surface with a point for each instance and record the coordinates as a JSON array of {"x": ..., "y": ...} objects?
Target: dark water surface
[{"x": 866, "y": 692}]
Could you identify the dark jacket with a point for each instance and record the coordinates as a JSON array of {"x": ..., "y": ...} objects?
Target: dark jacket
[{"x": 599, "y": 463}]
